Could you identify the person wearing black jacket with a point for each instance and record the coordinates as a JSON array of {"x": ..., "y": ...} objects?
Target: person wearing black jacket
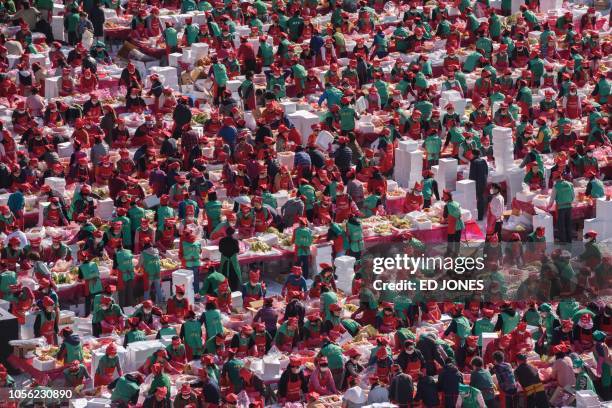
[
  {"x": 343, "y": 157},
  {"x": 427, "y": 392},
  {"x": 295, "y": 308},
  {"x": 428, "y": 347},
  {"x": 317, "y": 159},
  {"x": 96, "y": 16},
  {"x": 210, "y": 389},
  {"x": 352, "y": 368},
  {"x": 409, "y": 357},
  {"x": 529, "y": 378},
  {"x": 479, "y": 172},
  {"x": 181, "y": 116},
  {"x": 448, "y": 382},
  {"x": 401, "y": 388},
  {"x": 292, "y": 374}
]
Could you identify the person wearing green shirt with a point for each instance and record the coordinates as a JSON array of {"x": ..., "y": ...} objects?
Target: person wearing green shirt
[
  {"x": 371, "y": 204},
  {"x": 89, "y": 272},
  {"x": 525, "y": 98},
  {"x": 287, "y": 335},
  {"x": 472, "y": 61},
  {"x": 212, "y": 209},
  {"x": 265, "y": 52},
  {"x": 333, "y": 353},
  {"x": 595, "y": 188},
  {"x": 219, "y": 74},
  {"x": 191, "y": 335},
  {"x": 299, "y": 74},
  {"x": 188, "y": 5},
  {"x": 303, "y": 239},
  {"x": 171, "y": 37},
  {"x": 601, "y": 92},
  {"x": 583, "y": 380},
  {"x": 276, "y": 83},
  {"x": 126, "y": 389},
  {"x": 162, "y": 212},
  {"x": 211, "y": 317},
  {"x": 71, "y": 24},
  {"x": 150, "y": 261},
  {"x": 455, "y": 226},
  {"x": 400, "y": 36},
  {"x": 563, "y": 196},
  {"x": 231, "y": 371},
  {"x": 327, "y": 298},
  {"x": 204, "y": 6},
  {"x": 308, "y": 191},
  {"x": 160, "y": 380},
  {"x": 295, "y": 26},
  {"x": 354, "y": 234},
  {"x": 124, "y": 264},
  {"x": 347, "y": 116},
  {"x": 470, "y": 397},
  {"x": 192, "y": 250},
  {"x": 126, "y": 227},
  {"x": 592, "y": 255}
]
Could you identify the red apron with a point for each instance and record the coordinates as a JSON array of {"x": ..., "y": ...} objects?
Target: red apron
[
  {"x": 572, "y": 107},
  {"x": 413, "y": 369},
  {"x": 106, "y": 378},
  {"x": 109, "y": 324},
  {"x": 388, "y": 325},
  {"x": 47, "y": 330},
  {"x": 343, "y": 208},
  {"x": 260, "y": 343},
  {"x": 294, "y": 390}
]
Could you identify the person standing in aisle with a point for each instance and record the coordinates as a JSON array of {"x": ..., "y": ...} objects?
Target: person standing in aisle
[
  {"x": 563, "y": 196},
  {"x": 495, "y": 211}
]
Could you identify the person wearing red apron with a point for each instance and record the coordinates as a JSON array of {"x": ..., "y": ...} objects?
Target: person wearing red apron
[
  {"x": 45, "y": 324},
  {"x": 104, "y": 170},
  {"x": 142, "y": 234},
  {"x": 287, "y": 334},
  {"x": 66, "y": 83},
  {"x": 262, "y": 217},
  {"x": 433, "y": 313},
  {"x": 224, "y": 297},
  {"x": 412, "y": 360},
  {"x": 583, "y": 334},
  {"x": 312, "y": 330},
  {"x": 11, "y": 254},
  {"x": 572, "y": 103},
  {"x": 343, "y": 205},
  {"x": 414, "y": 199},
  {"x": 466, "y": 352},
  {"x": 112, "y": 321},
  {"x": 125, "y": 165},
  {"x": 520, "y": 342},
  {"x": 386, "y": 322},
  {"x": 383, "y": 363},
  {"x": 166, "y": 241},
  {"x": 482, "y": 88},
  {"x": 178, "y": 305},
  {"x": 107, "y": 366},
  {"x": 22, "y": 120},
  {"x": 177, "y": 353},
  {"x": 292, "y": 384},
  {"x": 53, "y": 214},
  {"x": 253, "y": 386},
  {"x": 413, "y": 125},
  {"x": 23, "y": 302},
  {"x": 242, "y": 341},
  {"x": 253, "y": 290},
  {"x": 261, "y": 340}
]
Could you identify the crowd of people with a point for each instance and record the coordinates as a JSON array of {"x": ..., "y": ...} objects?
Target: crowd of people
[{"x": 172, "y": 144}]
